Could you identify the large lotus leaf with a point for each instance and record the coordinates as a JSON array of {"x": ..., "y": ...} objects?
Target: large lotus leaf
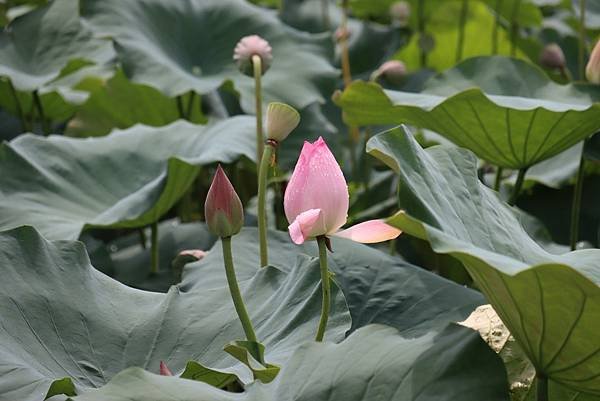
[
  {"x": 515, "y": 117},
  {"x": 38, "y": 45},
  {"x": 550, "y": 303},
  {"x": 127, "y": 179},
  {"x": 186, "y": 45},
  {"x": 374, "y": 363},
  {"x": 118, "y": 103},
  {"x": 63, "y": 318},
  {"x": 378, "y": 287}
]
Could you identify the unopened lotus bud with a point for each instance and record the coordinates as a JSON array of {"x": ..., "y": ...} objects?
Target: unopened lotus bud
[
  {"x": 281, "y": 120},
  {"x": 592, "y": 70},
  {"x": 223, "y": 209},
  {"x": 394, "y": 71},
  {"x": 400, "y": 12},
  {"x": 341, "y": 33},
  {"x": 553, "y": 57},
  {"x": 164, "y": 370},
  {"x": 249, "y": 46}
]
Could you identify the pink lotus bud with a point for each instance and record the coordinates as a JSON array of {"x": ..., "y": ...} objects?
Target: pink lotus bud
[
  {"x": 316, "y": 200},
  {"x": 249, "y": 46},
  {"x": 164, "y": 370},
  {"x": 341, "y": 33},
  {"x": 592, "y": 70},
  {"x": 223, "y": 209},
  {"x": 400, "y": 12},
  {"x": 281, "y": 120},
  {"x": 394, "y": 71},
  {"x": 553, "y": 57}
]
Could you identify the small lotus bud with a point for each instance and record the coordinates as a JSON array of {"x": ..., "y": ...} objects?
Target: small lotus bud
[
  {"x": 249, "y": 46},
  {"x": 592, "y": 70},
  {"x": 281, "y": 120},
  {"x": 164, "y": 370},
  {"x": 553, "y": 57},
  {"x": 400, "y": 12},
  {"x": 223, "y": 209},
  {"x": 394, "y": 71},
  {"x": 341, "y": 33}
]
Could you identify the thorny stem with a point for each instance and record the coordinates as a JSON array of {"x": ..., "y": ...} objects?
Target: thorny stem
[
  {"x": 40, "y": 109},
  {"x": 464, "y": 10},
  {"x": 518, "y": 185},
  {"x": 325, "y": 285},
  {"x": 257, "y": 65},
  {"x": 576, "y": 205},
  {"x": 154, "y": 248},
  {"x": 234, "y": 290},
  {"x": 263, "y": 171}
]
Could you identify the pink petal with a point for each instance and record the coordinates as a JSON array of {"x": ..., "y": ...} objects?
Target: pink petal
[
  {"x": 317, "y": 183},
  {"x": 370, "y": 232},
  {"x": 164, "y": 370},
  {"x": 307, "y": 225}
]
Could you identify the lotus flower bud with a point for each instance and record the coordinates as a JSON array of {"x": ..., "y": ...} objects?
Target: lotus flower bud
[
  {"x": 281, "y": 120},
  {"x": 400, "y": 12},
  {"x": 249, "y": 46},
  {"x": 393, "y": 70},
  {"x": 223, "y": 209},
  {"x": 592, "y": 70},
  {"x": 164, "y": 370},
  {"x": 553, "y": 57},
  {"x": 341, "y": 33}
]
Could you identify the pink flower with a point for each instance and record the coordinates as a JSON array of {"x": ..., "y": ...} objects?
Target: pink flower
[
  {"x": 223, "y": 209},
  {"x": 249, "y": 46},
  {"x": 592, "y": 70},
  {"x": 164, "y": 370},
  {"x": 316, "y": 200}
]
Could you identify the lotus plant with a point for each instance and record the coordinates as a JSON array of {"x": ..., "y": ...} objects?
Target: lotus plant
[
  {"x": 253, "y": 56},
  {"x": 316, "y": 204},
  {"x": 282, "y": 119},
  {"x": 225, "y": 217}
]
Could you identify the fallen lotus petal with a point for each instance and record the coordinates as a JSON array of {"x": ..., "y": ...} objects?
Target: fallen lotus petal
[{"x": 164, "y": 370}]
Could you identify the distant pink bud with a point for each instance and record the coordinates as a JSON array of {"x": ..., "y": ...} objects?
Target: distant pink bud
[
  {"x": 592, "y": 70},
  {"x": 223, "y": 209},
  {"x": 341, "y": 33},
  {"x": 393, "y": 70},
  {"x": 316, "y": 200},
  {"x": 164, "y": 370},
  {"x": 249, "y": 46},
  {"x": 553, "y": 57},
  {"x": 400, "y": 12}
]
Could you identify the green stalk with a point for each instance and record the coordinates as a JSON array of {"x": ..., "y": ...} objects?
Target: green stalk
[
  {"x": 40, "y": 109},
  {"x": 496, "y": 25},
  {"x": 143, "y": 239},
  {"x": 13, "y": 91},
  {"x": 325, "y": 14},
  {"x": 257, "y": 65},
  {"x": 179, "y": 101},
  {"x": 154, "y": 248},
  {"x": 346, "y": 75},
  {"x": 234, "y": 290},
  {"x": 577, "y": 194},
  {"x": 581, "y": 53},
  {"x": 325, "y": 284},
  {"x": 498, "y": 179},
  {"x": 421, "y": 30},
  {"x": 190, "y": 105},
  {"x": 263, "y": 172},
  {"x": 514, "y": 28},
  {"x": 464, "y": 10},
  {"x": 518, "y": 185},
  {"x": 541, "y": 387}
]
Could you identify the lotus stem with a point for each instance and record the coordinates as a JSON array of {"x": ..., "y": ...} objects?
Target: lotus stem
[
  {"x": 498, "y": 179},
  {"x": 179, "y": 102},
  {"x": 40, "y": 109},
  {"x": 344, "y": 46},
  {"x": 257, "y": 66},
  {"x": 464, "y": 11},
  {"x": 421, "y": 31},
  {"x": 190, "y": 105},
  {"x": 154, "y": 248},
  {"x": 234, "y": 290},
  {"x": 541, "y": 387},
  {"x": 263, "y": 171},
  {"x": 514, "y": 28},
  {"x": 577, "y": 195},
  {"x": 496, "y": 25},
  {"x": 13, "y": 91},
  {"x": 518, "y": 185},
  {"x": 143, "y": 239},
  {"x": 325, "y": 285},
  {"x": 581, "y": 53},
  {"x": 325, "y": 14}
]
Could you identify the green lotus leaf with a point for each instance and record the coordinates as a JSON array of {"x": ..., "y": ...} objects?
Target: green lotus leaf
[
  {"x": 48, "y": 333},
  {"x": 504, "y": 110},
  {"x": 127, "y": 179},
  {"x": 39, "y": 44},
  {"x": 375, "y": 362},
  {"x": 188, "y": 45},
  {"x": 550, "y": 303}
]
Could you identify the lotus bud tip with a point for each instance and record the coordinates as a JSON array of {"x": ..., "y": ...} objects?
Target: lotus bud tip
[{"x": 223, "y": 209}]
